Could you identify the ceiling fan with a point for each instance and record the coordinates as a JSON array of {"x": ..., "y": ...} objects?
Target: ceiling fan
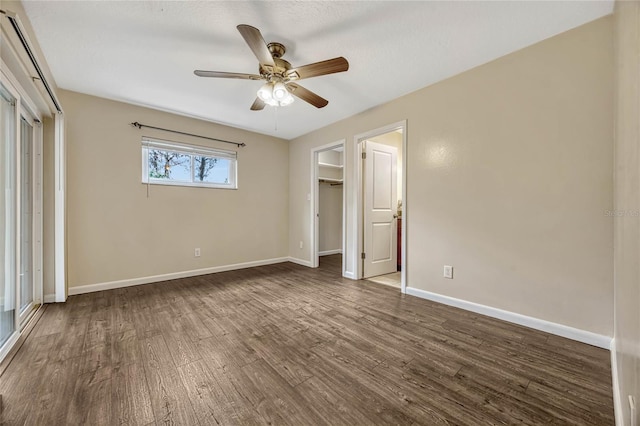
[{"x": 278, "y": 73}]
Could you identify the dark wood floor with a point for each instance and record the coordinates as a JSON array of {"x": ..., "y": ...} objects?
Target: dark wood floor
[{"x": 285, "y": 344}]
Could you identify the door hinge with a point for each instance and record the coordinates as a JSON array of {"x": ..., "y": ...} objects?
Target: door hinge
[
  {"x": 362, "y": 255},
  {"x": 364, "y": 155}
]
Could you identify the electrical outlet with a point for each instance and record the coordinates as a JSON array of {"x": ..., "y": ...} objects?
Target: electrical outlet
[
  {"x": 196, "y": 253},
  {"x": 301, "y": 244},
  {"x": 448, "y": 271},
  {"x": 633, "y": 414}
]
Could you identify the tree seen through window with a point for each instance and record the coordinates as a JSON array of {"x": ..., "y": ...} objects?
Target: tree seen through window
[{"x": 176, "y": 166}]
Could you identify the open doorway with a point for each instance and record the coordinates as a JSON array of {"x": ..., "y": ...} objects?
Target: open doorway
[
  {"x": 328, "y": 202},
  {"x": 381, "y": 225}
]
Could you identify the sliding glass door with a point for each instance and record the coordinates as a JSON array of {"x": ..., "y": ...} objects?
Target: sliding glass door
[
  {"x": 27, "y": 276},
  {"x": 8, "y": 113},
  {"x": 20, "y": 213}
]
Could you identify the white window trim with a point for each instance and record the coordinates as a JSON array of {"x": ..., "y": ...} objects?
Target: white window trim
[{"x": 191, "y": 150}]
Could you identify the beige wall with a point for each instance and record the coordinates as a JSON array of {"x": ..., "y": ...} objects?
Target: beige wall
[
  {"x": 330, "y": 220},
  {"x": 116, "y": 233},
  {"x": 627, "y": 202},
  {"x": 509, "y": 175}
]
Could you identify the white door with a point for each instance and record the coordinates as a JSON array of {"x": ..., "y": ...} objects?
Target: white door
[{"x": 380, "y": 208}]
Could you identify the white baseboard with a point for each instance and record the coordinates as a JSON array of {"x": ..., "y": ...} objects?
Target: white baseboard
[
  {"x": 90, "y": 288},
  {"x": 49, "y": 298},
  {"x": 531, "y": 322},
  {"x": 617, "y": 400},
  {"x": 302, "y": 262},
  {"x": 350, "y": 275},
  {"x": 329, "y": 252}
]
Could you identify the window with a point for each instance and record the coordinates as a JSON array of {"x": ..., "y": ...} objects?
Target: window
[{"x": 171, "y": 163}]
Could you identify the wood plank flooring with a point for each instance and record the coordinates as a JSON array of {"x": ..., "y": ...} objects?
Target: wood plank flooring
[{"x": 284, "y": 344}]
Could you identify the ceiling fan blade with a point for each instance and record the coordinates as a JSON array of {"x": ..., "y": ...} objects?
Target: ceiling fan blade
[
  {"x": 256, "y": 43},
  {"x": 329, "y": 66},
  {"x": 307, "y": 95},
  {"x": 222, "y": 74},
  {"x": 258, "y": 105}
]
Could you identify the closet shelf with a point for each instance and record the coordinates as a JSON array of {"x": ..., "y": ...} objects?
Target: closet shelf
[{"x": 333, "y": 166}]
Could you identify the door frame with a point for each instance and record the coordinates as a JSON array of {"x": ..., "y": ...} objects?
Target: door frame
[
  {"x": 357, "y": 231},
  {"x": 315, "y": 203},
  {"x": 36, "y": 220}
]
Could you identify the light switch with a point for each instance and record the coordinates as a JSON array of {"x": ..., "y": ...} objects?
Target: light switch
[{"x": 448, "y": 271}]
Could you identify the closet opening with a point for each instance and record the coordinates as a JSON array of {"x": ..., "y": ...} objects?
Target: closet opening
[{"x": 328, "y": 202}]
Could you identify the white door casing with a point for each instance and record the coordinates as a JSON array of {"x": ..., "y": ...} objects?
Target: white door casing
[{"x": 380, "y": 208}]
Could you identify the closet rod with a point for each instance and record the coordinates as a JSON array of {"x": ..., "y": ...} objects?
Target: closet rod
[
  {"x": 333, "y": 182},
  {"x": 140, "y": 126}
]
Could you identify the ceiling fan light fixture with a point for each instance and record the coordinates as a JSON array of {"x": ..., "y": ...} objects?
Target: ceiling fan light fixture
[
  {"x": 280, "y": 92},
  {"x": 275, "y": 94},
  {"x": 266, "y": 93},
  {"x": 288, "y": 100}
]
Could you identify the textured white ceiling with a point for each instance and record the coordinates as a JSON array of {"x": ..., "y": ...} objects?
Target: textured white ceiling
[{"x": 145, "y": 52}]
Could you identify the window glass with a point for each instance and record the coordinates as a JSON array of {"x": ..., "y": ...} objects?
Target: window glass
[
  {"x": 169, "y": 165},
  {"x": 211, "y": 169},
  {"x": 172, "y": 163},
  {"x": 7, "y": 214}
]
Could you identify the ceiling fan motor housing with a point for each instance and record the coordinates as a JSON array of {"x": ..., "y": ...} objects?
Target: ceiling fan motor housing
[
  {"x": 277, "y": 73},
  {"x": 277, "y": 49}
]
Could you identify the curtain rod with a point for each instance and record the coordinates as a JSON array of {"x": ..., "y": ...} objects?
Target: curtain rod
[
  {"x": 17, "y": 26},
  {"x": 140, "y": 126}
]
